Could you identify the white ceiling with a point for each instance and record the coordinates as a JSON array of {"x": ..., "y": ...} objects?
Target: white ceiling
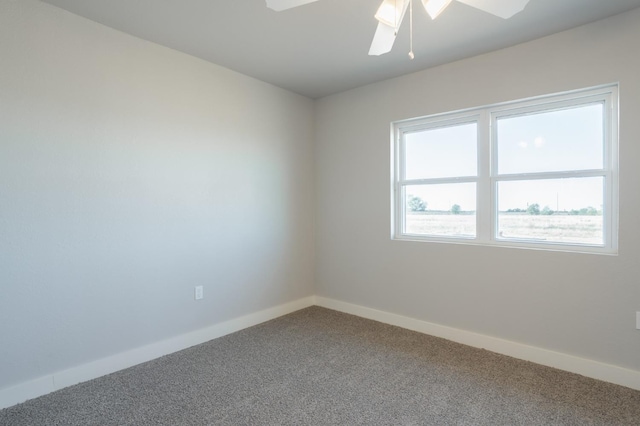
[{"x": 321, "y": 48}]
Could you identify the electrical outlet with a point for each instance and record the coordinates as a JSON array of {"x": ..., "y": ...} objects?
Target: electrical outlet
[
  {"x": 637, "y": 320},
  {"x": 199, "y": 293}
]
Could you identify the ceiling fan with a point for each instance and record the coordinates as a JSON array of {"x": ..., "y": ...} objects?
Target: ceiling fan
[{"x": 391, "y": 13}]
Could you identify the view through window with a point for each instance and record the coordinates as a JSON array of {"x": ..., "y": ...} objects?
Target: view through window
[{"x": 537, "y": 173}]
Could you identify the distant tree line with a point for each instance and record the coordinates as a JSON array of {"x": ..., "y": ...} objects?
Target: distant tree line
[
  {"x": 417, "y": 204},
  {"x": 534, "y": 209}
]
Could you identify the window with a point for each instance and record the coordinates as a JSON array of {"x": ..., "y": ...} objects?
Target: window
[{"x": 537, "y": 173}]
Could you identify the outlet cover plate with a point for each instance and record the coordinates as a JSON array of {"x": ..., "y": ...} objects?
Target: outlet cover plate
[{"x": 199, "y": 292}]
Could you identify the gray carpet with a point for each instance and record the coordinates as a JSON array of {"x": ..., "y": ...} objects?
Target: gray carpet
[{"x": 321, "y": 367}]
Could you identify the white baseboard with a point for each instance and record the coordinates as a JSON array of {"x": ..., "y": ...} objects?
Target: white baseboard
[
  {"x": 61, "y": 379},
  {"x": 585, "y": 367},
  {"x": 58, "y": 380}
]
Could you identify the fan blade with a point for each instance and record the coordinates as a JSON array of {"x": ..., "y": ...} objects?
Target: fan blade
[
  {"x": 279, "y": 5},
  {"x": 502, "y": 8},
  {"x": 391, "y": 12},
  {"x": 385, "y": 34},
  {"x": 383, "y": 40}
]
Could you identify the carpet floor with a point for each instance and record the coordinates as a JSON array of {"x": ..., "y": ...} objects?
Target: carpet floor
[{"x": 321, "y": 367}]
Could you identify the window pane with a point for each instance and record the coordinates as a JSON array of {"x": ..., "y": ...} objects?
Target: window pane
[
  {"x": 443, "y": 210},
  {"x": 552, "y": 210},
  {"x": 442, "y": 152},
  {"x": 569, "y": 139}
]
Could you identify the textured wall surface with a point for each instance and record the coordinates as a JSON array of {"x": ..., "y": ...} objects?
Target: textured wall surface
[
  {"x": 130, "y": 173},
  {"x": 578, "y": 304}
]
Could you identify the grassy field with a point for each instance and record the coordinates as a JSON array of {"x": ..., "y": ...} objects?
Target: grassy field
[{"x": 553, "y": 228}]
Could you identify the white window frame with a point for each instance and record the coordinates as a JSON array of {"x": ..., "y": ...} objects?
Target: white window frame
[{"x": 488, "y": 178}]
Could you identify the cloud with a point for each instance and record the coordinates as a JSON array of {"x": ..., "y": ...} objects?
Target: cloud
[
  {"x": 523, "y": 144},
  {"x": 539, "y": 142}
]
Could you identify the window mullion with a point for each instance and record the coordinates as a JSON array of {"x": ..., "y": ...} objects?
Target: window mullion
[
  {"x": 436, "y": 181},
  {"x": 483, "y": 189},
  {"x": 551, "y": 175}
]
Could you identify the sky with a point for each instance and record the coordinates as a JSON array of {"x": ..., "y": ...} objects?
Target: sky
[{"x": 567, "y": 139}]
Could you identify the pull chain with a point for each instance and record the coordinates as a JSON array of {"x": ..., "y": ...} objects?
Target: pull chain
[
  {"x": 395, "y": 17},
  {"x": 411, "y": 55}
]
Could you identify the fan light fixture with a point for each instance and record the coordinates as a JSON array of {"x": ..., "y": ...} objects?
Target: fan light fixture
[
  {"x": 391, "y": 13},
  {"x": 435, "y": 7}
]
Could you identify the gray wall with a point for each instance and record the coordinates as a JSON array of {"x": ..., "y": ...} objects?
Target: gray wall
[
  {"x": 129, "y": 173},
  {"x": 578, "y": 304}
]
